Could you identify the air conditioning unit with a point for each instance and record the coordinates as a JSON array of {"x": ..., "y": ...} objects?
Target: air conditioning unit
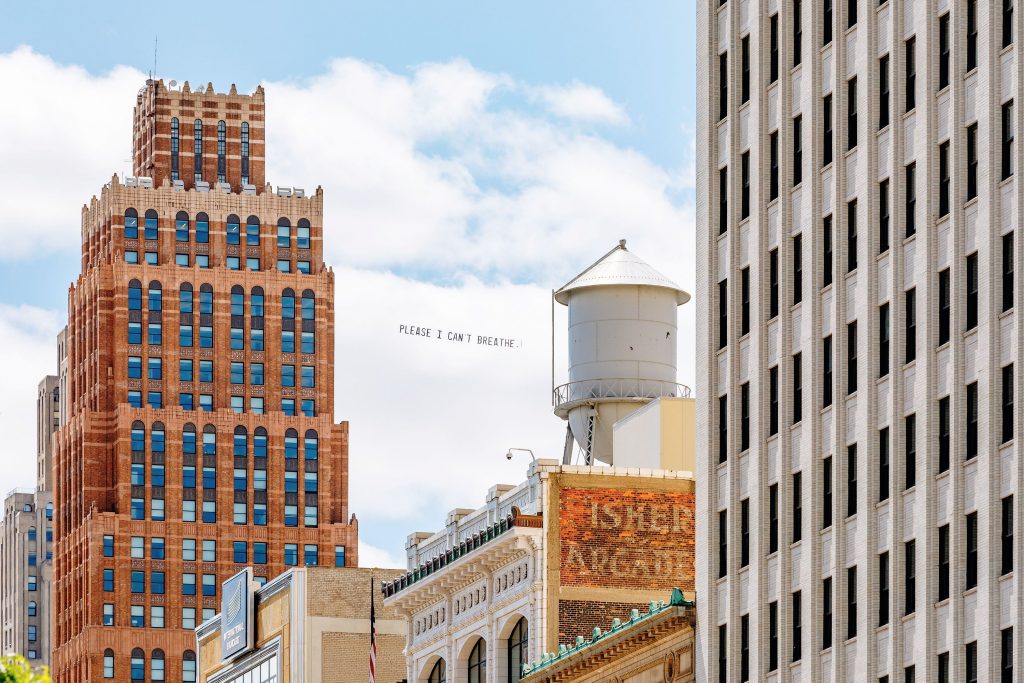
[
  {"x": 299, "y": 192},
  {"x": 249, "y": 189},
  {"x": 146, "y": 182},
  {"x": 202, "y": 186},
  {"x": 224, "y": 187},
  {"x": 131, "y": 181},
  {"x": 284, "y": 192},
  {"x": 178, "y": 185}
]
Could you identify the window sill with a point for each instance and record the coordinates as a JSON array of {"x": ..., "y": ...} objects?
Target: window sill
[
  {"x": 909, "y": 365},
  {"x": 942, "y": 475},
  {"x": 943, "y": 346},
  {"x": 1006, "y": 314},
  {"x": 970, "y": 591},
  {"x": 909, "y": 238},
  {"x": 1006, "y": 181},
  {"x": 970, "y": 202},
  {"x": 906, "y": 618},
  {"x": 943, "y": 602}
]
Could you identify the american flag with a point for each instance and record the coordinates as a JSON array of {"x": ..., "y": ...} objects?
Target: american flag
[{"x": 373, "y": 637}]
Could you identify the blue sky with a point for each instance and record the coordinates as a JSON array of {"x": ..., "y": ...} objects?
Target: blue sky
[{"x": 602, "y": 94}]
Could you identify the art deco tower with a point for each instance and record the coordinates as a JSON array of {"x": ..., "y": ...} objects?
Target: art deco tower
[{"x": 200, "y": 436}]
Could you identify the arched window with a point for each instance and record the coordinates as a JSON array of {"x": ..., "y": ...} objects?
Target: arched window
[
  {"x": 205, "y": 299},
  {"x": 156, "y": 666},
  {"x": 222, "y": 151},
  {"x": 518, "y": 649},
  {"x": 152, "y": 225},
  {"x": 188, "y": 439},
  {"x": 302, "y": 234},
  {"x": 308, "y": 305},
  {"x": 284, "y": 233},
  {"x": 259, "y": 443},
  {"x": 245, "y": 152},
  {"x": 308, "y": 322},
  {"x": 131, "y": 224},
  {"x": 181, "y": 227},
  {"x": 197, "y": 147},
  {"x": 477, "y": 668},
  {"x": 138, "y": 437},
  {"x": 252, "y": 231},
  {"x": 31, "y": 534},
  {"x": 437, "y": 674},
  {"x": 241, "y": 442},
  {"x": 237, "y": 300},
  {"x": 209, "y": 440},
  {"x": 202, "y": 228},
  {"x": 185, "y": 298},
  {"x": 311, "y": 445},
  {"x": 288, "y": 304},
  {"x": 134, "y": 295},
  {"x": 233, "y": 227},
  {"x": 188, "y": 667},
  {"x": 108, "y": 663},
  {"x": 155, "y": 296},
  {"x": 256, "y": 302},
  {"x": 291, "y": 444},
  {"x": 32, "y": 608},
  {"x": 156, "y": 438},
  {"x": 174, "y": 148},
  {"x": 138, "y": 664}
]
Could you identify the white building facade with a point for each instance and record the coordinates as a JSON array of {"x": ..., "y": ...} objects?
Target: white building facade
[{"x": 858, "y": 193}]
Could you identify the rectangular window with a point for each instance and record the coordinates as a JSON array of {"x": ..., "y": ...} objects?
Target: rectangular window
[
  {"x": 851, "y": 602},
  {"x": 826, "y": 22},
  {"x": 723, "y": 428},
  {"x": 1006, "y": 655},
  {"x": 798, "y": 33},
  {"x": 910, "y": 446},
  {"x": 1007, "y": 23},
  {"x": 773, "y": 518},
  {"x": 884, "y": 469},
  {"x": 944, "y": 44},
  {"x": 826, "y": 498},
  {"x": 971, "y": 579},
  {"x": 773, "y": 181},
  {"x": 910, "y": 580},
  {"x": 1006, "y": 146},
  {"x": 883, "y": 589},
  {"x": 826, "y": 245},
  {"x": 1006, "y": 537},
  {"x": 773, "y": 48},
  {"x": 723, "y": 653},
  {"x": 744, "y": 309},
  {"x": 723, "y": 543},
  {"x": 851, "y": 480},
  {"x": 944, "y": 444},
  {"x": 851, "y": 357},
  {"x": 745, "y": 185},
  {"x": 826, "y": 375},
  {"x": 744, "y": 416},
  {"x": 883, "y": 216},
  {"x": 773, "y": 636},
  {"x": 944, "y": 551},
  {"x": 798, "y": 269},
  {"x": 209, "y": 585},
  {"x": 945, "y": 307},
  {"x": 911, "y": 74},
  {"x": 797, "y": 630},
  {"x": 851, "y": 13},
  {"x": 723, "y": 313},
  {"x": 972, "y": 291},
  {"x": 826, "y": 143},
  {"x": 851, "y": 113},
  {"x": 1008, "y": 271},
  {"x": 1007, "y": 404},
  {"x": 773, "y": 283},
  {"x": 851, "y": 240},
  {"x": 744, "y": 532},
  {"x": 972, "y": 161},
  {"x": 911, "y": 199},
  {"x": 723, "y": 85},
  {"x": 910, "y": 350},
  {"x": 944, "y": 179},
  {"x": 339, "y": 556},
  {"x": 798, "y": 394},
  {"x": 826, "y": 613},
  {"x": 883, "y": 340},
  {"x": 971, "y": 449},
  {"x": 745, "y": 70},
  {"x": 723, "y": 200},
  {"x": 971, "y": 660},
  {"x": 943, "y": 667},
  {"x": 883, "y": 92},
  {"x": 798, "y": 152},
  {"x": 797, "y": 509},
  {"x": 972, "y": 33}
]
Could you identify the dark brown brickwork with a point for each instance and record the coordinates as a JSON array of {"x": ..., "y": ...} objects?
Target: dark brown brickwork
[
  {"x": 581, "y": 617},
  {"x": 101, "y": 471}
]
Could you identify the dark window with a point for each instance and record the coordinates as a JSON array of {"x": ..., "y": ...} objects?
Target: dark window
[
  {"x": 745, "y": 301},
  {"x": 884, "y": 468},
  {"x": 971, "y": 449},
  {"x": 911, "y": 203},
  {"x": 773, "y": 283},
  {"x": 773, "y": 181},
  {"x": 477, "y": 665},
  {"x": 1006, "y": 655},
  {"x": 245, "y": 152},
  {"x": 971, "y": 659},
  {"x": 851, "y": 13},
  {"x": 798, "y": 394},
  {"x": 826, "y": 612},
  {"x": 745, "y": 416},
  {"x": 944, "y": 434},
  {"x": 826, "y": 375},
  {"x": 851, "y": 113},
  {"x": 972, "y": 291},
  {"x": 745, "y": 70},
  {"x": 851, "y": 236},
  {"x": 945, "y": 307},
  {"x": 910, "y": 446},
  {"x": 972, "y": 33},
  {"x": 723, "y": 654},
  {"x": 883, "y": 216},
  {"x": 797, "y": 509},
  {"x": 773, "y": 518},
  {"x": 723, "y": 200},
  {"x": 745, "y": 188},
  {"x": 197, "y": 153},
  {"x": 944, "y": 179},
  {"x": 798, "y": 33},
  {"x": 1007, "y": 141},
  {"x": 723, "y": 428},
  {"x": 222, "y": 150},
  {"x": 175, "y": 144},
  {"x": 723, "y": 543},
  {"x": 883, "y": 340},
  {"x": 910, "y": 580},
  {"x": 971, "y": 578},
  {"x": 1006, "y": 537},
  {"x": 723, "y": 85},
  {"x": 972, "y": 161},
  {"x": 1007, "y": 404},
  {"x": 745, "y": 647},
  {"x": 797, "y": 630},
  {"x": 826, "y": 485},
  {"x": 851, "y": 602},
  {"x": 798, "y": 154},
  {"x": 723, "y": 314},
  {"x": 944, "y": 562},
  {"x": 773, "y": 636},
  {"x": 1007, "y": 22},
  {"x": 826, "y": 142},
  {"x": 798, "y": 269},
  {"x": 773, "y": 49},
  {"x": 944, "y": 667},
  {"x": 851, "y": 479},
  {"x": 909, "y": 674},
  {"x": 883, "y": 589},
  {"x": 517, "y": 648},
  {"x": 910, "y": 350},
  {"x": 826, "y": 242},
  {"x": 744, "y": 532},
  {"x": 883, "y": 92},
  {"x": 943, "y": 51},
  {"x": 851, "y": 357},
  {"x": 773, "y": 401},
  {"x": 1007, "y": 271},
  {"x": 826, "y": 22},
  {"x": 911, "y": 67}
]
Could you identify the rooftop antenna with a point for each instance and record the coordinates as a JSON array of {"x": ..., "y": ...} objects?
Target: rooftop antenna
[{"x": 156, "y": 38}]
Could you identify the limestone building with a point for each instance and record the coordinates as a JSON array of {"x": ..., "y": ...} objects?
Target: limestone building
[
  {"x": 200, "y": 435},
  {"x": 858, "y": 472}
]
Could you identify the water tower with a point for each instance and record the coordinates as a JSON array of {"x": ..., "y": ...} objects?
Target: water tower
[{"x": 622, "y": 348}]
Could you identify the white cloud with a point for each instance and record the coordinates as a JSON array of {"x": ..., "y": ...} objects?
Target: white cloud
[
  {"x": 583, "y": 102},
  {"x": 450, "y": 202},
  {"x": 372, "y": 556}
]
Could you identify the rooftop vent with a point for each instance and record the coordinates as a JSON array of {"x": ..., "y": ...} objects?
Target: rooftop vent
[
  {"x": 224, "y": 187},
  {"x": 202, "y": 186},
  {"x": 146, "y": 182},
  {"x": 131, "y": 181},
  {"x": 178, "y": 185},
  {"x": 299, "y": 192},
  {"x": 249, "y": 189},
  {"x": 284, "y": 192}
]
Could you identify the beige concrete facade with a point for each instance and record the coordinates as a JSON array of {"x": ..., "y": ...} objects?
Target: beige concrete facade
[{"x": 313, "y": 623}]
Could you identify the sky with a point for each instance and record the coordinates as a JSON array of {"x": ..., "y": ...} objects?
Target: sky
[{"x": 473, "y": 157}]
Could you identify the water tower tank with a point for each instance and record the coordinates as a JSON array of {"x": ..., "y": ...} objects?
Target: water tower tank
[{"x": 622, "y": 347}]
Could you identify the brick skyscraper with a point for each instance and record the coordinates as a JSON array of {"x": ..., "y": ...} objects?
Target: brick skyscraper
[{"x": 200, "y": 350}]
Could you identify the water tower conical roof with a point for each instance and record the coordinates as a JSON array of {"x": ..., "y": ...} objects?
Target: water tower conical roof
[{"x": 620, "y": 267}]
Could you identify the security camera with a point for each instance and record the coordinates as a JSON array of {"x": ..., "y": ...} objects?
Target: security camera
[{"x": 508, "y": 456}]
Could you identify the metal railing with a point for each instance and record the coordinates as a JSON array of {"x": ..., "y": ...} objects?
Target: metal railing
[{"x": 624, "y": 388}]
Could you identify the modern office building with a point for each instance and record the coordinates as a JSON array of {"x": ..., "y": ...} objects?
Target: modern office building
[
  {"x": 200, "y": 434},
  {"x": 26, "y": 545},
  {"x": 858, "y": 465}
]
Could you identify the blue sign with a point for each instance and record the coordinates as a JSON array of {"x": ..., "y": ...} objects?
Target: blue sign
[{"x": 236, "y": 618}]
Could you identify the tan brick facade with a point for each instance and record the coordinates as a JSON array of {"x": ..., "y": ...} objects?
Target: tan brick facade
[{"x": 116, "y": 465}]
